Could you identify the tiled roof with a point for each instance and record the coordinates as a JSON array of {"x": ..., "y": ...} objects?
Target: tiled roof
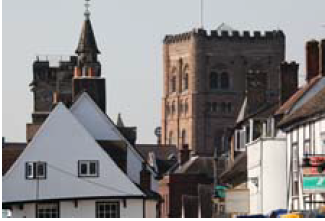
[
  {"x": 162, "y": 152},
  {"x": 10, "y": 153},
  {"x": 316, "y": 105},
  {"x": 297, "y": 96},
  {"x": 198, "y": 165}
]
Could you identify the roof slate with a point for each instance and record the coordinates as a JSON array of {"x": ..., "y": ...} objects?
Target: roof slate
[{"x": 316, "y": 105}]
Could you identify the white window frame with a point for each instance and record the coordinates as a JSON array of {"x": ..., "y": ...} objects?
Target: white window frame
[
  {"x": 106, "y": 209},
  {"x": 32, "y": 171},
  {"x": 48, "y": 210},
  {"x": 88, "y": 163}
]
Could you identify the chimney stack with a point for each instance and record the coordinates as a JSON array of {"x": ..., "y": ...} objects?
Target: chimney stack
[
  {"x": 322, "y": 57},
  {"x": 145, "y": 178},
  {"x": 184, "y": 154},
  {"x": 256, "y": 87},
  {"x": 289, "y": 80},
  {"x": 312, "y": 59}
]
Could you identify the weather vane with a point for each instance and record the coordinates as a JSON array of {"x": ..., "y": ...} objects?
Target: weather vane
[{"x": 87, "y": 12}]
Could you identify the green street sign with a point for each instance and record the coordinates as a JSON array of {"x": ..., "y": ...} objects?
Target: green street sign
[{"x": 316, "y": 183}]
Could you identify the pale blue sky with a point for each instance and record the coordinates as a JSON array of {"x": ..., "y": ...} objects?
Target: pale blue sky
[{"x": 129, "y": 34}]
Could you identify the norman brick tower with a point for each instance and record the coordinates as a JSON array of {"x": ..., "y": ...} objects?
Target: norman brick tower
[
  {"x": 66, "y": 81},
  {"x": 205, "y": 82}
]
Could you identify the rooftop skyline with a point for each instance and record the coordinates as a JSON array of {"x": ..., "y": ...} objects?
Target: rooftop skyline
[{"x": 129, "y": 35}]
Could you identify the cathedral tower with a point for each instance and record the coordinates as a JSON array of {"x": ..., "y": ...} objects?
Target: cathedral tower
[{"x": 204, "y": 82}]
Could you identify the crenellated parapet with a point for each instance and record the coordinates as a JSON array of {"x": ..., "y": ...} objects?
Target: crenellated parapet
[{"x": 245, "y": 36}]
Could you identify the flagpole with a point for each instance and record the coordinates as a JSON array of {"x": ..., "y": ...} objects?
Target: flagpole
[{"x": 202, "y": 11}]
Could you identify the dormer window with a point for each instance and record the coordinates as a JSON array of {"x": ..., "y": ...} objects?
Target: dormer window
[
  {"x": 35, "y": 170},
  {"x": 88, "y": 168}
]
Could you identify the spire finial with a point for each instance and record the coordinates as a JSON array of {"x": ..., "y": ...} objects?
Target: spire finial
[{"x": 87, "y": 12}]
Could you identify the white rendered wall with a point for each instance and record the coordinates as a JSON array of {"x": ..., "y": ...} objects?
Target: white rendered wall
[
  {"x": 87, "y": 209},
  {"x": 274, "y": 186},
  {"x": 266, "y": 162}
]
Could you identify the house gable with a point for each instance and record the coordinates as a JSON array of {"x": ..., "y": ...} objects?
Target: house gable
[
  {"x": 62, "y": 142},
  {"x": 101, "y": 127}
]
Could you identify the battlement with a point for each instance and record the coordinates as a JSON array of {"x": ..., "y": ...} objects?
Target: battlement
[
  {"x": 225, "y": 35},
  {"x": 54, "y": 61}
]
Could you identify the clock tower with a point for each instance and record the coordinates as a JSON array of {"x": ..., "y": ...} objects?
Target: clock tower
[{"x": 60, "y": 79}]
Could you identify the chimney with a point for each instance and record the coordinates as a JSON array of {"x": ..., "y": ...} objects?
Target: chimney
[
  {"x": 145, "y": 178},
  {"x": 289, "y": 80},
  {"x": 312, "y": 59},
  {"x": 322, "y": 57},
  {"x": 184, "y": 154},
  {"x": 256, "y": 86}
]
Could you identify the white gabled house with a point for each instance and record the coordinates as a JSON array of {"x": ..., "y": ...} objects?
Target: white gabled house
[
  {"x": 102, "y": 128},
  {"x": 65, "y": 172}
]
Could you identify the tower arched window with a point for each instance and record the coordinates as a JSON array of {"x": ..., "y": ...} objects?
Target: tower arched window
[
  {"x": 173, "y": 84},
  {"x": 224, "y": 81},
  {"x": 185, "y": 82},
  {"x": 214, "y": 81},
  {"x": 171, "y": 139},
  {"x": 184, "y": 137}
]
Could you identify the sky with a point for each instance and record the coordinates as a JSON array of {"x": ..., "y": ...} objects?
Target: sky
[{"x": 129, "y": 35}]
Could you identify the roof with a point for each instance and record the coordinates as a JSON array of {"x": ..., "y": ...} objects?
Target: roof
[
  {"x": 237, "y": 172},
  {"x": 286, "y": 107},
  {"x": 87, "y": 41},
  {"x": 316, "y": 105},
  {"x": 198, "y": 165},
  {"x": 166, "y": 155},
  {"x": 10, "y": 153},
  {"x": 162, "y": 152}
]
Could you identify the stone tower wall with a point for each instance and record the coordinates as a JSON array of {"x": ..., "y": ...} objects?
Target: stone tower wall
[{"x": 202, "y": 53}]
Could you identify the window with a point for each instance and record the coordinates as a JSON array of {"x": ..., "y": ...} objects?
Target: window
[
  {"x": 88, "y": 168},
  {"x": 224, "y": 82},
  {"x": 185, "y": 82},
  {"x": 35, "y": 170},
  {"x": 214, "y": 80},
  {"x": 47, "y": 210},
  {"x": 107, "y": 210},
  {"x": 173, "y": 84}
]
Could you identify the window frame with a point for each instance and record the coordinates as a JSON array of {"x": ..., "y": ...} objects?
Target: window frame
[
  {"x": 88, "y": 162},
  {"x": 214, "y": 80},
  {"x": 108, "y": 202},
  {"x": 57, "y": 204},
  {"x": 34, "y": 170},
  {"x": 224, "y": 81}
]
